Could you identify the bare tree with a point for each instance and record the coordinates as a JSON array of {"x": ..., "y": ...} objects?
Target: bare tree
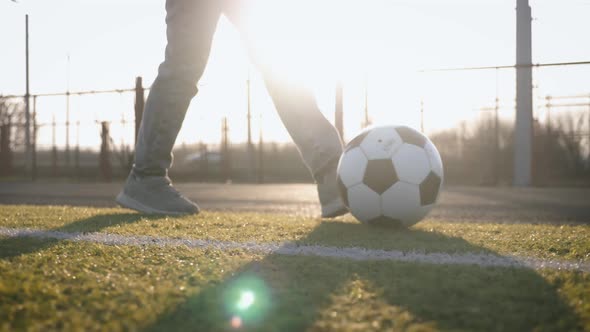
[
  {"x": 570, "y": 125},
  {"x": 12, "y": 134}
]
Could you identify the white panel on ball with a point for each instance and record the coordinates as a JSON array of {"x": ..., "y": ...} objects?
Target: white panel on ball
[
  {"x": 352, "y": 167},
  {"x": 402, "y": 202},
  {"x": 381, "y": 143},
  {"x": 411, "y": 163},
  {"x": 365, "y": 204},
  {"x": 434, "y": 158}
]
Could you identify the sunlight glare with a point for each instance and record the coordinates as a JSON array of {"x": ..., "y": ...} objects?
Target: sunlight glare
[{"x": 311, "y": 40}]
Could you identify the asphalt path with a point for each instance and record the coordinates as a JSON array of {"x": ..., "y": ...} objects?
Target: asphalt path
[{"x": 456, "y": 204}]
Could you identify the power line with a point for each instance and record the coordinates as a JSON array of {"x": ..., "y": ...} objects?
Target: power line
[
  {"x": 535, "y": 65},
  {"x": 427, "y": 70}
]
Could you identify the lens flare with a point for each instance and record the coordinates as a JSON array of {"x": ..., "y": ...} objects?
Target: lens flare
[
  {"x": 246, "y": 300},
  {"x": 236, "y": 322}
]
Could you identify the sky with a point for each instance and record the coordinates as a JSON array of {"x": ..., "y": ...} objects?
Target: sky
[{"x": 374, "y": 47}]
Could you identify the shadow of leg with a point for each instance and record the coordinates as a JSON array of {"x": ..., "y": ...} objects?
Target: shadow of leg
[
  {"x": 285, "y": 294},
  {"x": 295, "y": 293}
]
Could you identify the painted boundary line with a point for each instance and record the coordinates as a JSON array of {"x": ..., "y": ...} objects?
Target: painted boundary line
[{"x": 292, "y": 249}]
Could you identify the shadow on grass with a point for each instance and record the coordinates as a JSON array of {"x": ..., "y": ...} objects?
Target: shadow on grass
[
  {"x": 296, "y": 293},
  {"x": 16, "y": 246},
  {"x": 341, "y": 234}
]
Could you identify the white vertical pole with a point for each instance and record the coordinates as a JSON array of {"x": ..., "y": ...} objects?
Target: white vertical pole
[
  {"x": 27, "y": 100},
  {"x": 523, "y": 135}
]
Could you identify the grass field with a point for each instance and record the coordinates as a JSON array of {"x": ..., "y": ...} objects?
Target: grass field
[{"x": 48, "y": 282}]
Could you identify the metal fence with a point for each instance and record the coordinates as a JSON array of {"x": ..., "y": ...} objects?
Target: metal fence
[
  {"x": 468, "y": 112},
  {"x": 479, "y": 148},
  {"x": 67, "y": 142}
]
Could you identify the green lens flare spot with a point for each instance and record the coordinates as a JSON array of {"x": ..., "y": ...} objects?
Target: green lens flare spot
[
  {"x": 246, "y": 300},
  {"x": 247, "y": 297}
]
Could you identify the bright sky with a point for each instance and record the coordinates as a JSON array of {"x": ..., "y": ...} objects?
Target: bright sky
[{"x": 111, "y": 42}]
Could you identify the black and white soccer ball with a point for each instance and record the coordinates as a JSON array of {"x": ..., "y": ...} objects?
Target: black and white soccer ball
[{"x": 390, "y": 175}]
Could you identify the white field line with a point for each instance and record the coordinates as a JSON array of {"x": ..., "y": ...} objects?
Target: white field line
[{"x": 293, "y": 249}]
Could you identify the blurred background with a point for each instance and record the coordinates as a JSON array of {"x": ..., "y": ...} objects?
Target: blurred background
[{"x": 446, "y": 68}]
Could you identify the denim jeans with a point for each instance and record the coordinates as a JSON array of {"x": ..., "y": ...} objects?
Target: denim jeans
[{"x": 190, "y": 28}]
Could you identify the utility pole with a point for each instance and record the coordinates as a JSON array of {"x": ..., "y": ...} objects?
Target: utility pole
[
  {"x": 27, "y": 100},
  {"x": 523, "y": 131},
  {"x": 68, "y": 114}
]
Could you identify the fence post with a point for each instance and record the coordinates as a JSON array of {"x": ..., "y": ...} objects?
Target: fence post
[
  {"x": 5, "y": 153},
  {"x": 339, "y": 115},
  {"x": 139, "y": 104},
  {"x": 226, "y": 156},
  {"x": 204, "y": 161},
  {"x": 250, "y": 145},
  {"x": 53, "y": 148},
  {"x": 77, "y": 150},
  {"x": 260, "y": 158},
  {"x": 422, "y": 116},
  {"x": 105, "y": 153},
  {"x": 496, "y": 162},
  {"x": 548, "y": 115},
  {"x": 367, "y": 121}
]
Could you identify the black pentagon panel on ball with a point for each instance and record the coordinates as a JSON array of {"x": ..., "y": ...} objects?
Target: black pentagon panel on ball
[
  {"x": 411, "y": 136},
  {"x": 343, "y": 191},
  {"x": 384, "y": 221},
  {"x": 356, "y": 141},
  {"x": 380, "y": 175},
  {"x": 429, "y": 189}
]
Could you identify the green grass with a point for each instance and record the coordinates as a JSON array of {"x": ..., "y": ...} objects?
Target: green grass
[
  {"x": 62, "y": 285},
  {"x": 48, "y": 284},
  {"x": 541, "y": 241}
]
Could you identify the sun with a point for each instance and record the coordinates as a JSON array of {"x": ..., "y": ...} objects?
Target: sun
[{"x": 312, "y": 40}]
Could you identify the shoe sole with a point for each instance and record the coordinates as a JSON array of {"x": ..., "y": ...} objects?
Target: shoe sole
[
  {"x": 128, "y": 202},
  {"x": 334, "y": 209}
]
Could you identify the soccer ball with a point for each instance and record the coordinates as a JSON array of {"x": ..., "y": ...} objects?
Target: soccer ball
[{"x": 390, "y": 175}]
